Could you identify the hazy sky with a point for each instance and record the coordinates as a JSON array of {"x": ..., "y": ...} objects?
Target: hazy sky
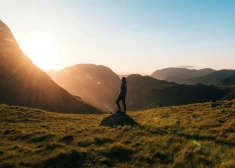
[{"x": 129, "y": 36}]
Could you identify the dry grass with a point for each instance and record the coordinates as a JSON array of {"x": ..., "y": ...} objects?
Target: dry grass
[{"x": 185, "y": 136}]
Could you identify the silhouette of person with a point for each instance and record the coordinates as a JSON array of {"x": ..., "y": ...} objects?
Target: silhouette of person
[{"x": 122, "y": 95}]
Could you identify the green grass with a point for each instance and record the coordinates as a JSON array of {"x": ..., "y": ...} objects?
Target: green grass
[{"x": 184, "y": 136}]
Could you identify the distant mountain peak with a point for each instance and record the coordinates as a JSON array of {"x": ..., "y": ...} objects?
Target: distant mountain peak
[
  {"x": 4, "y": 28},
  {"x": 96, "y": 84},
  {"x": 170, "y": 74}
]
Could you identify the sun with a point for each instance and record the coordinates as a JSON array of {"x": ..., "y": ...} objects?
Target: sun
[{"x": 40, "y": 48}]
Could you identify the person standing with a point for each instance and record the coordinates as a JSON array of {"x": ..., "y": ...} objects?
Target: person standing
[{"x": 122, "y": 95}]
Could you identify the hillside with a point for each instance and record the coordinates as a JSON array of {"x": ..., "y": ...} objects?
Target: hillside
[
  {"x": 230, "y": 95},
  {"x": 170, "y": 74},
  {"x": 146, "y": 92},
  {"x": 211, "y": 79},
  {"x": 99, "y": 86},
  {"x": 96, "y": 84},
  {"x": 22, "y": 83},
  {"x": 191, "y": 77},
  {"x": 179, "y": 80},
  {"x": 182, "y": 136},
  {"x": 228, "y": 81}
]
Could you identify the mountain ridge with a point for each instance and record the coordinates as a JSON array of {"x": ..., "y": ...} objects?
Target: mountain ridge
[
  {"x": 23, "y": 83},
  {"x": 96, "y": 84},
  {"x": 228, "y": 81},
  {"x": 213, "y": 78},
  {"x": 146, "y": 92},
  {"x": 206, "y": 76},
  {"x": 163, "y": 74}
]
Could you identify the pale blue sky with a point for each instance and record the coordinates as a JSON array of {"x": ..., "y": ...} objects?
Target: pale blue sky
[{"x": 129, "y": 36}]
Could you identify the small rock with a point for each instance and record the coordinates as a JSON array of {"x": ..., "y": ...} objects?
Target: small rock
[{"x": 67, "y": 139}]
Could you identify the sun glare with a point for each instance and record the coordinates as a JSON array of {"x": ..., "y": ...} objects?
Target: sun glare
[{"x": 40, "y": 48}]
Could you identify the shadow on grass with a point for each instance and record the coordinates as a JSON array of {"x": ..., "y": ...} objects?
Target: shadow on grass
[
  {"x": 155, "y": 131},
  {"x": 100, "y": 141},
  {"x": 70, "y": 159},
  {"x": 22, "y": 137},
  {"x": 163, "y": 157},
  {"x": 42, "y": 138},
  {"x": 119, "y": 153},
  {"x": 158, "y": 131},
  {"x": 208, "y": 138},
  {"x": 53, "y": 146},
  {"x": 67, "y": 140}
]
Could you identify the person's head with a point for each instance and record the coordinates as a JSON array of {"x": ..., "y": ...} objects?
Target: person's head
[{"x": 123, "y": 80}]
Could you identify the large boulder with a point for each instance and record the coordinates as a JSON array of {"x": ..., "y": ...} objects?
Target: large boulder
[{"x": 117, "y": 119}]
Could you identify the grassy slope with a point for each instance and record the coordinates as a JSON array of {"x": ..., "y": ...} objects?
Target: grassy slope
[{"x": 167, "y": 137}]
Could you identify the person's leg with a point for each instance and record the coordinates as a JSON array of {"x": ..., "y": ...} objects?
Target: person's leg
[
  {"x": 117, "y": 102},
  {"x": 124, "y": 104}
]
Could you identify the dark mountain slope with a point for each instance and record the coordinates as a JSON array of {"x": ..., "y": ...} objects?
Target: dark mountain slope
[
  {"x": 22, "y": 83},
  {"x": 170, "y": 74},
  {"x": 228, "y": 81},
  {"x": 230, "y": 95},
  {"x": 211, "y": 79},
  {"x": 175, "y": 79},
  {"x": 96, "y": 84},
  {"x": 146, "y": 92}
]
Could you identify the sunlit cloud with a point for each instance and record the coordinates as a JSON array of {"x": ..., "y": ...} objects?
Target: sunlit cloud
[{"x": 188, "y": 67}]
